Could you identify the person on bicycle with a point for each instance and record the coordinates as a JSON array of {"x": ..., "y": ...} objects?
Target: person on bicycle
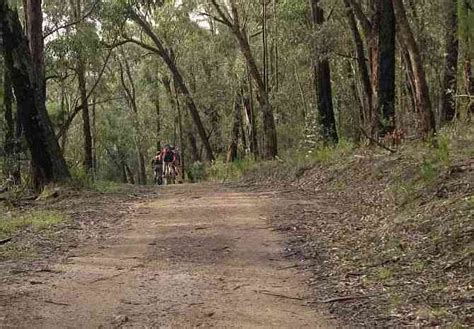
[
  {"x": 157, "y": 165},
  {"x": 167, "y": 157},
  {"x": 167, "y": 154},
  {"x": 176, "y": 160}
]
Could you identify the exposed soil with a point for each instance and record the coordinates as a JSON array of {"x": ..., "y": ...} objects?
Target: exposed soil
[{"x": 193, "y": 256}]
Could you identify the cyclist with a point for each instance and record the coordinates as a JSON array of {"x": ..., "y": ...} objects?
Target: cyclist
[{"x": 157, "y": 165}]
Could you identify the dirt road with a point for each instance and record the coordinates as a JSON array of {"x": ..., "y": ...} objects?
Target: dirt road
[{"x": 196, "y": 256}]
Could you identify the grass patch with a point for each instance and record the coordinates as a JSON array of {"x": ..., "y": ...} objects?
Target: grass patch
[
  {"x": 11, "y": 224},
  {"x": 12, "y": 251},
  {"x": 107, "y": 187},
  {"x": 220, "y": 170}
]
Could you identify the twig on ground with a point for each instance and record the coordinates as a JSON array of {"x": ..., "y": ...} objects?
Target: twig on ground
[
  {"x": 56, "y": 303},
  {"x": 106, "y": 278},
  {"x": 5, "y": 240},
  {"x": 345, "y": 298},
  {"x": 269, "y": 293},
  {"x": 376, "y": 141},
  {"x": 456, "y": 262},
  {"x": 240, "y": 286},
  {"x": 288, "y": 267}
]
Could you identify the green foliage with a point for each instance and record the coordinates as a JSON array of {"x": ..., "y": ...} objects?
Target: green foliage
[
  {"x": 38, "y": 220},
  {"x": 466, "y": 23},
  {"x": 197, "y": 172},
  {"x": 222, "y": 171},
  {"x": 108, "y": 187},
  {"x": 81, "y": 179}
]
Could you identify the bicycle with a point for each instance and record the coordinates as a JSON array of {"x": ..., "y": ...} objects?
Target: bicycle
[
  {"x": 158, "y": 175},
  {"x": 169, "y": 174}
]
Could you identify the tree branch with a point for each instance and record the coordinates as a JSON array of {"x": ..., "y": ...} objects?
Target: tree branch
[
  {"x": 77, "y": 109},
  {"x": 217, "y": 19},
  {"x": 65, "y": 26},
  {"x": 225, "y": 20},
  {"x": 361, "y": 17}
]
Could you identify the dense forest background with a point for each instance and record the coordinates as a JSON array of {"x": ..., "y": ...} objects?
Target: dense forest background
[{"x": 92, "y": 89}]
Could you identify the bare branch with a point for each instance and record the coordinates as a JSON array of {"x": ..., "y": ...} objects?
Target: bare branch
[
  {"x": 225, "y": 19},
  {"x": 217, "y": 19},
  {"x": 361, "y": 17},
  {"x": 65, "y": 26}
]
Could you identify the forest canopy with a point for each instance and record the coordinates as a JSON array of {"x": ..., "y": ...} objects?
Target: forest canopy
[{"x": 94, "y": 88}]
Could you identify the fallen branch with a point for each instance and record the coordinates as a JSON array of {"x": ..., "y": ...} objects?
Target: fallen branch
[
  {"x": 343, "y": 299},
  {"x": 56, "y": 303},
  {"x": 287, "y": 267},
  {"x": 240, "y": 286},
  {"x": 269, "y": 293},
  {"x": 456, "y": 262},
  {"x": 376, "y": 141},
  {"x": 5, "y": 240},
  {"x": 105, "y": 278}
]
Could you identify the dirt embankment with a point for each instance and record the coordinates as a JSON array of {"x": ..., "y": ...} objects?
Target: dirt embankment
[{"x": 388, "y": 238}]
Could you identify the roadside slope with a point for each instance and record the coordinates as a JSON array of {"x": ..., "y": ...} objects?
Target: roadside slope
[{"x": 391, "y": 234}]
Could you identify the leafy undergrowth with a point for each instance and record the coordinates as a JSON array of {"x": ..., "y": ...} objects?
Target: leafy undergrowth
[{"x": 393, "y": 232}]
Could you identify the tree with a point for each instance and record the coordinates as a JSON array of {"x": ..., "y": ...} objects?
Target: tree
[
  {"x": 385, "y": 89},
  {"x": 34, "y": 23},
  {"x": 130, "y": 95},
  {"x": 322, "y": 82},
  {"x": 167, "y": 56},
  {"x": 81, "y": 61},
  {"x": 449, "y": 88},
  {"x": 232, "y": 21},
  {"x": 232, "y": 150},
  {"x": 31, "y": 110},
  {"x": 361, "y": 63},
  {"x": 422, "y": 96}
]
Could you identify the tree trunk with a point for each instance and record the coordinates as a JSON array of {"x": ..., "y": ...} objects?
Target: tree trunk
[
  {"x": 422, "y": 96},
  {"x": 180, "y": 133},
  {"x": 361, "y": 63},
  {"x": 250, "y": 111},
  {"x": 86, "y": 125},
  {"x": 469, "y": 83},
  {"x": 370, "y": 30},
  {"x": 129, "y": 173},
  {"x": 322, "y": 83},
  {"x": 34, "y": 16},
  {"x": 232, "y": 151},
  {"x": 386, "y": 68},
  {"x": 195, "y": 155},
  {"x": 131, "y": 96},
  {"x": 11, "y": 165},
  {"x": 270, "y": 148},
  {"x": 94, "y": 136},
  {"x": 81, "y": 69},
  {"x": 158, "y": 122},
  {"x": 449, "y": 88},
  {"x": 31, "y": 109}
]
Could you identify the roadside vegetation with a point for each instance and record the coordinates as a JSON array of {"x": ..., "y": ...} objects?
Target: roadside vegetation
[{"x": 398, "y": 240}]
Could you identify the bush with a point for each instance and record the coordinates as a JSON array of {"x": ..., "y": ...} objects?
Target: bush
[
  {"x": 222, "y": 171},
  {"x": 196, "y": 173},
  {"x": 81, "y": 179}
]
